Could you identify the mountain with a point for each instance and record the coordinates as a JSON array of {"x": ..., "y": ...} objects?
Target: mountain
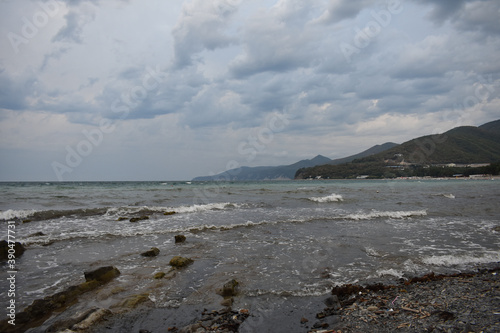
[
  {"x": 373, "y": 150},
  {"x": 265, "y": 172},
  {"x": 287, "y": 171},
  {"x": 460, "y": 145}
]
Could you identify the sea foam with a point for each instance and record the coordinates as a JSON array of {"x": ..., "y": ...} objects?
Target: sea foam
[
  {"x": 329, "y": 198},
  {"x": 16, "y": 214}
]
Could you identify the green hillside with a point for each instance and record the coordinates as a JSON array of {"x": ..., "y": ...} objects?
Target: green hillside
[
  {"x": 287, "y": 171},
  {"x": 423, "y": 156}
]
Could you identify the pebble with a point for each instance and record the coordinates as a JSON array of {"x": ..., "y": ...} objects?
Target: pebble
[{"x": 468, "y": 304}]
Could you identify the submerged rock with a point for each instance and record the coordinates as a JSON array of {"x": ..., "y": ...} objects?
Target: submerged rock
[
  {"x": 133, "y": 301},
  {"x": 179, "y": 262},
  {"x": 137, "y": 219},
  {"x": 180, "y": 239},
  {"x": 228, "y": 289},
  {"x": 82, "y": 321},
  {"x": 159, "y": 275},
  {"x": 102, "y": 274},
  {"x": 5, "y": 247},
  {"x": 151, "y": 253},
  {"x": 41, "y": 309},
  {"x": 169, "y": 213},
  {"x": 223, "y": 320}
]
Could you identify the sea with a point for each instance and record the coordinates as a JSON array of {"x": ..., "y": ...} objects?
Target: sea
[{"x": 278, "y": 239}]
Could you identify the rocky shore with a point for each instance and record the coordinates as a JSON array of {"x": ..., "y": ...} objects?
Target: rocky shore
[
  {"x": 462, "y": 302},
  {"x": 465, "y": 302}
]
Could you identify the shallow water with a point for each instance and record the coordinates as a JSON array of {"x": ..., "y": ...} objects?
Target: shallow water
[{"x": 287, "y": 239}]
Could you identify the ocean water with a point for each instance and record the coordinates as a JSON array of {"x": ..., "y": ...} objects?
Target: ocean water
[{"x": 277, "y": 238}]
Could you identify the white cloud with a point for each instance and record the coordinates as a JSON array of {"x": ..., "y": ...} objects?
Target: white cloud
[{"x": 223, "y": 67}]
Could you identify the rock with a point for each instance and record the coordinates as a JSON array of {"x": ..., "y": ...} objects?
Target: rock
[
  {"x": 372, "y": 308},
  {"x": 180, "y": 239},
  {"x": 304, "y": 320},
  {"x": 151, "y": 253},
  {"x": 332, "y": 302},
  {"x": 121, "y": 218},
  {"x": 136, "y": 219},
  {"x": 67, "y": 323},
  {"x": 179, "y": 262},
  {"x": 37, "y": 234},
  {"x": 43, "y": 308},
  {"x": 5, "y": 247},
  {"x": 228, "y": 289},
  {"x": 223, "y": 321},
  {"x": 497, "y": 228},
  {"x": 159, "y": 275},
  {"x": 133, "y": 301},
  {"x": 102, "y": 274},
  {"x": 169, "y": 213},
  {"x": 94, "y": 317},
  {"x": 228, "y": 302},
  {"x": 192, "y": 328}
]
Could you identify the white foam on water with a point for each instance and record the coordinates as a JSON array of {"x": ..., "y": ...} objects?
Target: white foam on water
[
  {"x": 329, "y": 198},
  {"x": 389, "y": 214},
  {"x": 11, "y": 214},
  {"x": 389, "y": 272},
  {"x": 372, "y": 252},
  {"x": 205, "y": 207},
  {"x": 456, "y": 260}
]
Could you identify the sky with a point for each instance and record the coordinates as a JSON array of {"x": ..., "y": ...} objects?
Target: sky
[{"x": 170, "y": 90}]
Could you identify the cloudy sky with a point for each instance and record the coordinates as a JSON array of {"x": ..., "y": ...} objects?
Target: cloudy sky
[{"x": 168, "y": 90}]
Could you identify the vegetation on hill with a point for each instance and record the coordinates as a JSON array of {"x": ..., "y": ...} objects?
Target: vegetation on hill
[
  {"x": 424, "y": 156},
  {"x": 287, "y": 171}
]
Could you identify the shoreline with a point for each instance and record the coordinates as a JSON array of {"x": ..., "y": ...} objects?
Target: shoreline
[
  {"x": 457, "y": 302},
  {"x": 461, "y": 302}
]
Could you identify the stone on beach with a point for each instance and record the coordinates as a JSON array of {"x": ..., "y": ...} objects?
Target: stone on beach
[
  {"x": 179, "y": 261},
  {"x": 180, "y": 238},
  {"x": 102, "y": 274},
  {"x": 151, "y": 253},
  {"x": 228, "y": 289}
]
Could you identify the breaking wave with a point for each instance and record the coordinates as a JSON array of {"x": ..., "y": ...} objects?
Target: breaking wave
[
  {"x": 40, "y": 215},
  {"x": 329, "y": 198},
  {"x": 387, "y": 214},
  {"x": 16, "y": 214}
]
